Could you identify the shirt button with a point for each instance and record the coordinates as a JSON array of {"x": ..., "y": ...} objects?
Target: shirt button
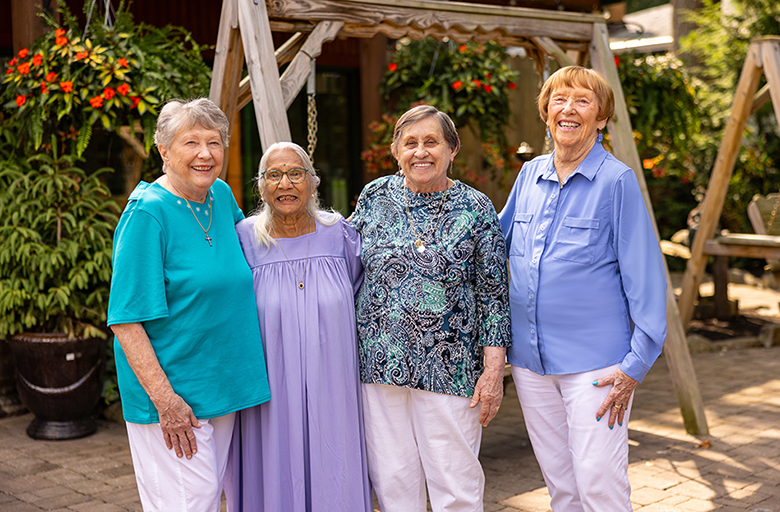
[
  {"x": 533, "y": 261},
  {"x": 531, "y": 296},
  {"x": 541, "y": 227},
  {"x": 532, "y": 331}
]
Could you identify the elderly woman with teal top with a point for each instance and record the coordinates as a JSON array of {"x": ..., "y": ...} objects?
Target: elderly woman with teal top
[
  {"x": 182, "y": 307},
  {"x": 588, "y": 297},
  {"x": 433, "y": 322}
]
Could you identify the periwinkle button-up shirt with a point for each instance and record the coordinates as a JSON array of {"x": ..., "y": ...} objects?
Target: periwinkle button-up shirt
[{"x": 587, "y": 282}]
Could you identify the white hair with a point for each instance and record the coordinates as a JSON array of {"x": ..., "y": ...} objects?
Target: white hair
[{"x": 264, "y": 213}]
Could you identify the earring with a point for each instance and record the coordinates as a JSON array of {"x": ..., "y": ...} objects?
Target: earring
[
  {"x": 548, "y": 133},
  {"x": 450, "y": 166},
  {"x": 601, "y": 136}
]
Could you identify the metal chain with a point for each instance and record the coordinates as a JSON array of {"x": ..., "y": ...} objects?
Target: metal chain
[{"x": 312, "y": 124}]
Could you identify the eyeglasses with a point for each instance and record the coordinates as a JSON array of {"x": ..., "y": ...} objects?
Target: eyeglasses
[{"x": 274, "y": 176}]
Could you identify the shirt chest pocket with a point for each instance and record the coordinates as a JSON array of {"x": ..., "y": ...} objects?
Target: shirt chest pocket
[
  {"x": 522, "y": 224},
  {"x": 576, "y": 240}
]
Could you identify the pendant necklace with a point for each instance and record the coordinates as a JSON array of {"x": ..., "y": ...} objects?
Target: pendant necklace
[
  {"x": 419, "y": 239},
  {"x": 211, "y": 216},
  {"x": 305, "y": 265}
]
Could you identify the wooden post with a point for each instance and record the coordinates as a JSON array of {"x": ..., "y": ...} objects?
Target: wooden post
[
  {"x": 712, "y": 206},
  {"x": 676, "y": 347}
]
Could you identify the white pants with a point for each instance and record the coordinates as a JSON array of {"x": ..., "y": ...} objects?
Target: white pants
[
  {"x": 584, "y": 463},
  {"x": 414, "y": 437},
  {"x": 167, "y": 483}
]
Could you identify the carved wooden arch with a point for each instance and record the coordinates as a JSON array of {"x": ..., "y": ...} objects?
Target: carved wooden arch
[{"x": 245, "y": 36}]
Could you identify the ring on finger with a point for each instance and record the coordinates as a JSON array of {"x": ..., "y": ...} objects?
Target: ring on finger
[{"x": 618, "y": 406}]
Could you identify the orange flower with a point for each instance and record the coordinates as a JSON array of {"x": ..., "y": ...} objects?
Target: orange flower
[
  {"x": 648, "y": 163},
  {"x": 392, "y": 66},
  {"x": 9, "y": 71},
  {"x": 109, "y": 93},
  {"x": 122, "y": 62},
  {"x": 23, "y": 68},
  {"x": 477, "y": 82},
  {"x": 96, "y": 102},
  {"x": 81, "y": 55},
  {"x": 44, "y": 90},
  {"x": 13, "y": 61},
  {"x": 23, "y": 53},
  {"x": 462, "y": 48},
  {"x": 51, "y": 76},
  {"x": 123, "y": 89},
  {"x": 59, "y": 32},
  {"x": 136, "y": 100},
  {"x": 37, "y": 59},
  {"x": 512, "y": 85},
  {"x": 617, "y": 60},
  {"x": 457, "y": 85},
  {"x": 66, "y": 86},
  {"x": 61, "y": 41},
  {"x": 21, "y": 100},
  {"x": 488, "y": 88}
]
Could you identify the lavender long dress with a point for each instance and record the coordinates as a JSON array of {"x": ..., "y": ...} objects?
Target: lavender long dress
[{"x": 305, "y": 449}]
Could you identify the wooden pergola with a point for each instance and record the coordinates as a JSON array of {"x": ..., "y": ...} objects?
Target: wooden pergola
[{"x": 245, "y": 37}]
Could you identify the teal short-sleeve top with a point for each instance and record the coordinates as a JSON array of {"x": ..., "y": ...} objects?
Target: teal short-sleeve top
[{"x": 195, "y": 299}]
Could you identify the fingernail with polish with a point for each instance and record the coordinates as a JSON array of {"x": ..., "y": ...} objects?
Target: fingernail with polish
[
  {"x": 598, "y": 418},
  {"x": 595, "y": 383},
  {"x": 621, "y": 423},
  {"x": 611, "y": 427}
]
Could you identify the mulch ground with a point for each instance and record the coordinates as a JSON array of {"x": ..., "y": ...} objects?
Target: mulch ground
[{"x": 736, "y": 327}]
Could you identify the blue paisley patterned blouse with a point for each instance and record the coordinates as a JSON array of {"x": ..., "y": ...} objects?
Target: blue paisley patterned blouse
[{"x": 423, "y": 317}]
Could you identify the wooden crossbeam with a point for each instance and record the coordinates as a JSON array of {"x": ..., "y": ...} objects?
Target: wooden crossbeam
[
  {"x": 283, "y": 54},
  {"x": 676, "y": 347}
]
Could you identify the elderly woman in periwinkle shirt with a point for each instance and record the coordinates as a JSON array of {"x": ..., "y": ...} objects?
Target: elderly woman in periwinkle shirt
[{"x": 587, "y": 295}]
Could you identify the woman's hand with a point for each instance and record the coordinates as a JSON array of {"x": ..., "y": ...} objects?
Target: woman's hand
[
  {"x": 618, "y": 397},
  {"x": 490, "y": 386},
  {"x": 177, "y": 421}
]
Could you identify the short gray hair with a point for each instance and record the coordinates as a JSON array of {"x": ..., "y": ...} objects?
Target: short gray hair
[
  {"x": 264, "y": 212},
  {"x": 421, "y": 112},
  {"x": 182, "y": 115}
]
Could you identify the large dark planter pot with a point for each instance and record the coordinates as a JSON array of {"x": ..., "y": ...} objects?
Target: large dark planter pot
[{"x": 60, "y": 380}]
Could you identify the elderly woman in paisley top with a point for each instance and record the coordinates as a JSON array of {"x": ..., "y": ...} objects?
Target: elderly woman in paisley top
[
  {"x": 588, "y": 297},
  {"x": 188, "y": 349},
  {"x": 433, "y": 322}
]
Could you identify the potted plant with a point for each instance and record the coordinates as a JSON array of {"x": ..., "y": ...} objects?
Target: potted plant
[
  {"x": 56, "y": 218},
  {"x": 56, "y": 222}
]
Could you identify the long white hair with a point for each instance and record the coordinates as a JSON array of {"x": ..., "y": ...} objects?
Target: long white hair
[{"x": 264, "y": 213}]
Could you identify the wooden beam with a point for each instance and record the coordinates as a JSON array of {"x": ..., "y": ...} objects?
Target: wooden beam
[
  {"x": 551, "y": 48},
  {"x": 712, "y": 205},
  {"x": 283, "y": 54},
  {"x": 770, "y": 57},
  {"x": 263, "y": 72},
  {"x": 458, "y": 21},
  {"x": 297, "y": 72},
  {"x": 760, "y": 99},
  {"x": 623, "y": 146}
]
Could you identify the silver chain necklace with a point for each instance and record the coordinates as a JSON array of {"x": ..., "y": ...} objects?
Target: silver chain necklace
[
  {"x": 305, "y": 265},
  {"x": 419, "y": 239}
]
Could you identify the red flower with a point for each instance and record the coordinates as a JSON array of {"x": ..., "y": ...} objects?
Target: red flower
[
  {"x": 13, "y": 61},
  {"x": 23, "y": 53},
  {"x": 462, "y": 48},
  {"x": 96, "y": 102},
  {"x": 37, "y": 59},
  {"x": 59, "y": 32},
  {"x": 43, "y": 88},
  {"x": 457, "y": 85},
  {"x": 488, "y": 88},
  {"x": 617, "y": 60},
  {"x": 122, "y": 62},
  {"x": 512, "y": 85},
  {"x": 477, "y": 82},
  {"x": 66, "y": 86},
  {"x": 21, "y": 100},
  {"x": 23, "y": 68},
  {"x": 60, "y": 40},
  {"x": 392, "y": 66},
  {"x": 488, "y": 76},
  {"x": 109, "y": 93},
  {"x": 81, "y": 55},
  {"x": 51, "y": 76},
  {"x": 123, "y": 89},
  {"x": 136, "y": 100},
  {"x": 9, "y": 71}
]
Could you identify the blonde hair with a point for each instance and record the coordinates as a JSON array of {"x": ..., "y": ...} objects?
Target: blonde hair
[
  {"x": 264, "y": 213},
  {"x": 578, "y": 76}
]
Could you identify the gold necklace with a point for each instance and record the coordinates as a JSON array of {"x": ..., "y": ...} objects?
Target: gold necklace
[
  {"x": 419, "y": 243},
  {"x": 211, "y": 216},
  {"x": 305, "y": 265}
]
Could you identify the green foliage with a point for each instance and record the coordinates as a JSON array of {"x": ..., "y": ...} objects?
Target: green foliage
[
  {"x": 720, "y": 46},
  {"x": 468, "y": 81},
  {"x": 56, "y": 223},
  {"x": 68, "y": 82}
]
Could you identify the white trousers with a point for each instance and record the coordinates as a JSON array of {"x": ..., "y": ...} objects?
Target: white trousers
[
  {"x": 167, "y": 483},
  {"x": 584, "y": 463},
  {"x": 414, "y": 437}
]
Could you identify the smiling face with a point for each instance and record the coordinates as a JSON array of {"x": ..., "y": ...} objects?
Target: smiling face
[
  {"x": 424, "y": 155},
  {"x": 572, "y": 117},
  {"x": 193, "y": 161},
  {"x": 285, "y": 198}
]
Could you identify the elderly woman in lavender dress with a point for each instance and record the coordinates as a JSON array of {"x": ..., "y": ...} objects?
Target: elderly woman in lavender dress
[{"x": 304, "y": 450}]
